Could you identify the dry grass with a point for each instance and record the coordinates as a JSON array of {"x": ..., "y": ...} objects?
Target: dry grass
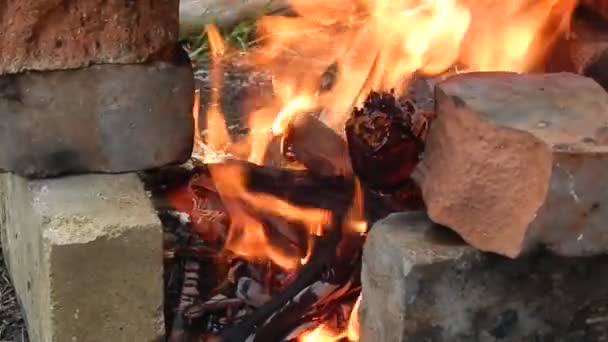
[{"x": 12, "y": 326}]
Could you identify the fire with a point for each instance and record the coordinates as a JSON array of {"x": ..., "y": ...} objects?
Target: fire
[
  {"x": 355, "y": 220},
  {"x": 379, "y": 44},
  {"x": 327, "y": 59},
  {"x": 217, "y": 136},
  {"x": 323, "y": 333},
  {"x": 247, "y": 237}
]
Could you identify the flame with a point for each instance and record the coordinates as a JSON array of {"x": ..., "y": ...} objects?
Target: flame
[
  {"x": 355, "y": 218},
  {"x": 328, "y": 58},
  {"x": 352, "y": 332},
  {"x": 247, "y": 237},
  {"x": 217, "y": 135},
  {"x": 321, "y": 334},
  {"x": 324, "y": 333},
  {"x": 196, "y": 109},
  {"x": 379, "y": 44}
]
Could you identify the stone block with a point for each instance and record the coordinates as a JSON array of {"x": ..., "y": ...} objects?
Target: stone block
[
  {"x": 85, "y": 256},
  {"x": 64, "y": 34},
  {"x": 422, "y": 283},
  {"x": 104, "y": 118},
  {"x": 515, "y": 160}
]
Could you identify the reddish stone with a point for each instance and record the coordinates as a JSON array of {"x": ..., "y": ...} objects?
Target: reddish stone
[
  {"x": 515, "y": 160},
  {"x": 62, "y": 34}
]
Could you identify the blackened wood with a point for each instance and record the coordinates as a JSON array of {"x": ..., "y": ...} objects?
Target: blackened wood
[{"x": 383, "y": 147}]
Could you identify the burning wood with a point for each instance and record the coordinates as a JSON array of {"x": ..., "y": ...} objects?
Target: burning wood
[
  {"x": 259, "y": 301},
  {"x": 288, "y": 242},
  {"x": 318, "y": 147},
  {"x": 384, "y": 144}
]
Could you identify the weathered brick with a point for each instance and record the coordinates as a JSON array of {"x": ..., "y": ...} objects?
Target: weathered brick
[
  {"x": 62, "y": 34},
  {"x": 422, "y": 283},
  {"x": 515, "y": 160},
  {"x": 85, "y": 256},
  {"x": 104, "y": 118}
]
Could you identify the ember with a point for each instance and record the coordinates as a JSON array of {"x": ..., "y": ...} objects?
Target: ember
[{"x": 274, "y": 253}]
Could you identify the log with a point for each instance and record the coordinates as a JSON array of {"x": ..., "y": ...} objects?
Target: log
[
  {"x": 296, "y": 186},
  {"x": 316, "y": 146},
  {"x": 383, "y": 146}
]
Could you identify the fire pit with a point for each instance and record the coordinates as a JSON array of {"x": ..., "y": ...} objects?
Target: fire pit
[
  {"x": 398, "y": 171},
  {"x": 265, "y": 231}
]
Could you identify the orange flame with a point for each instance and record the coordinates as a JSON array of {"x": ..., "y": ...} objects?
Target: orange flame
[
  {"x": 324, "y": 333},
  {"x": 372, "y": 45},
  {"x": 247, "y": 237},
  {"x": 217, "y": 135},
  {"x": 352, "y": 333},
  {"x": 355, "y": 219},
  {"x": 378, "y": 44}
]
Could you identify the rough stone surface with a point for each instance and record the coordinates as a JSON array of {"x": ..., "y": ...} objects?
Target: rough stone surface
[
  {"x": 104, "y": 118},
  {"x": 85, "y": 256},
  {"x": 63, "y": 34},
  {"x": 515, "y": 160},
  {"x": 584, "y": 50},
  {"x": 420, "y": 283}
]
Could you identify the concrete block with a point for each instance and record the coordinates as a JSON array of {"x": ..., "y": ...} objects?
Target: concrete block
[
  {"x": 85, "y": 256},
  {"x": 422, "y": 283},
  {"x": 104, "y": 118}
]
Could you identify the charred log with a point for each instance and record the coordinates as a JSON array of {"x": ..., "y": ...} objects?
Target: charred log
[
  {"x": 298, "y": 187},
  {"x": 384, "y": 148}
]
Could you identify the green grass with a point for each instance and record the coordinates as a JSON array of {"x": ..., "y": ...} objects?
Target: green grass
[{"x": 239, "y": 37}]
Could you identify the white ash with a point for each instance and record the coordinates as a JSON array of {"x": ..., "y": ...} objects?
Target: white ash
[{"x": 183, "y": 218}]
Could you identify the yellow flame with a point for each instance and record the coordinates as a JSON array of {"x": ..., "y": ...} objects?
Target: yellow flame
[
  {"x": 217, "y": 135},
  {"x": 355, "y": 218},
  {"x": 378, "y": 44},
  {"x": 247, "y": 237}
]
